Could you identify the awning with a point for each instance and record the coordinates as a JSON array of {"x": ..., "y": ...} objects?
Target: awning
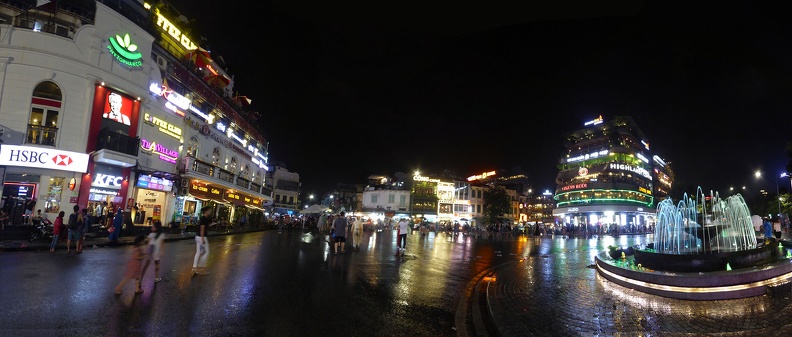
[{"x": 219, "y": 80}]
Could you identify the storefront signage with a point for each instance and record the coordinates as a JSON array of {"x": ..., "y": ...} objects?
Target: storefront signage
[
  {"x": 175, "y": 101},
  {"x": 641, "y": 157},
  {"x": 102, "y": 191},
  {"x": 481, "y": 176},
  {"x": 260, "y": 164},
  {"x": 588, "y": 156},
  {"x": 205, "y": 130},
  {"x": 124, "y": 51},
  {"x": 174, "y": 32},
  {"x": 419, "y": 177},
  {"x": 199, "y": 189},
  {"x": 164, "y": 153},
  {"x": 243, "y": 199},
  {"x": 595, "y": 121},
  {"x": 572, "y": 209},
  {"x": 37, "y": 157},
  {"x": 72, "y": 184},
  {"x": 164, "y": 127},
  {"x": 207, "y": 117},
  {"x": 583, "y": 171},
  {"x": 644, "y": 190},
  {"x": 108, "y": 181},
  {"x": 574, "y": 187},
  {"x": 154, "y": 183},
  {"x": 624, "y": 167},
  {"x": 659, "y": 160}
]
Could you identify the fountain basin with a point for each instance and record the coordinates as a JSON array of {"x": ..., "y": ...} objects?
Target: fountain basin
[
  {"x": 718, "y": 285},
  {"x": 710, "y": 262}
]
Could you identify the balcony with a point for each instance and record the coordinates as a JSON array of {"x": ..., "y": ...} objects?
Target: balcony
[
  {"x": 226, "y": 176},
  {"x": 255, "y": 187},
  {"x": 41, "y": 135},
  {"x": 242, "y": 182},
  {"x": 267, "y": 192},
  {"x": 117, "y": 142},
  {"x": 116, "y": 149},
  {"x": 202, "y": 167}
]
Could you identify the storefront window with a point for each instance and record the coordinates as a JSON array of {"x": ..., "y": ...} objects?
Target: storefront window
[
  {"x": 54, "y": 193},
  {"x": 192, "y": 147},
  {"x": 246, "y": 171},
  {"x": 233, "y": 165}
]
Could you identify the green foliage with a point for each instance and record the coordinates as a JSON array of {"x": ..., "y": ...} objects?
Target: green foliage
[{"x": 496, "y": 203}]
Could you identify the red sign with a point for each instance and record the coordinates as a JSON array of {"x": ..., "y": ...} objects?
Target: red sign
[
  {"x": 574, "y": 187},
  {"x": 118, "y": 108},
  {"x": 72, "y": 200}
]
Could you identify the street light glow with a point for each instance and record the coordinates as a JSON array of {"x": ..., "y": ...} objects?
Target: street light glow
[
  {"x": 758, "y": 174},
  {"x": 310, "y": 196}
]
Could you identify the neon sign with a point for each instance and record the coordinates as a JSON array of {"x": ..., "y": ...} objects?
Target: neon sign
[
  {"x": 164, "y": 153},
  {"x": 588, "y": 156},
  {"x": 574, "y": 187},
  {"x": 644, "y": 190},
  {"x": 259, "y": 163},
  {"x": 419, "y": 177},
  {"x": 220, "y": 126},
  {"x": 639, "y": 170},
  {"x": 174, "y": 32},
  {"x": 175, "y": 100},
  {"x": 595, "y": 121},
  {"x": 481, "y": 176},
  {"x": 124, "y": 51},
  {"x": 164, "y": 127},
  {"x": 641, "y": 157}
]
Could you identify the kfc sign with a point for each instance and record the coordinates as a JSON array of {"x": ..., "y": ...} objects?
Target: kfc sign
[
  {"x": 106, "y": 180},
  {"x": 47, "y": 158}
]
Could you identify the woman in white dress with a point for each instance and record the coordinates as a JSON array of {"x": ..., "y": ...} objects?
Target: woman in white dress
[{"x": 155, "y": 240}]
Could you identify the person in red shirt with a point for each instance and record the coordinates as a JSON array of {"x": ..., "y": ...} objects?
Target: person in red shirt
[{"x": 56, "y": 230}]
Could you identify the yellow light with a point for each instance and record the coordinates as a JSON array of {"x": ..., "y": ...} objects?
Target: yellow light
[{"x": 146, "y": 5}]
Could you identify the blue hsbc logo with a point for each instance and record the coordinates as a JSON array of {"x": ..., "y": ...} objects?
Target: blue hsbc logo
[{"x": 106, "y": 180}]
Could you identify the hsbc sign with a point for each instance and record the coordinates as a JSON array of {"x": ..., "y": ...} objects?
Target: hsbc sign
[{"x": 46, "y": 158}]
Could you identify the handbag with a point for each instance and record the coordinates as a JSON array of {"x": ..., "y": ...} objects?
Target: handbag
[{"x": 111, "y": 229}]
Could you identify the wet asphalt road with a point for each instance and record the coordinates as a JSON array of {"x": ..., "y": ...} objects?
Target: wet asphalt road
[{"x": 262, "y": 284}]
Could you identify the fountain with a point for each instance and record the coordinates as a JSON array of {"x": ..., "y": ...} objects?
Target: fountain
[{"x": 704, "y": 248}]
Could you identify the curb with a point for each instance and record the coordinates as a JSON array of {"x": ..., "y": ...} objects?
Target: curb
[{"x": 118, "y": 244}]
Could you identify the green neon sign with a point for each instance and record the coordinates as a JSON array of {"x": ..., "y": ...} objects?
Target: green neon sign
[{"x": 124, "y": 51}]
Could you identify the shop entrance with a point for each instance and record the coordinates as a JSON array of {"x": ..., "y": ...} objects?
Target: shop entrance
[{"x": 16, "y": 194}]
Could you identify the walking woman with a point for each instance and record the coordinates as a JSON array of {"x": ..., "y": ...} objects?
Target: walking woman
[
  {"x": 357, "y": 233},
  {"x": 154, "y": 252},
  {"x": 201, "y": 243},
  {"x": 133, "y": 266},
  {"x": 56, "y": 230}
]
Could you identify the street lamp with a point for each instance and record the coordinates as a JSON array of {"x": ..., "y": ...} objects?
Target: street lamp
[
  {"x": 310, "y": 197},
  {"x": 758, "y": 174}
]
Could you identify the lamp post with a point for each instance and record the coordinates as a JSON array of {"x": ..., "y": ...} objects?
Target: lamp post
[{"x": 758, "y": 174}]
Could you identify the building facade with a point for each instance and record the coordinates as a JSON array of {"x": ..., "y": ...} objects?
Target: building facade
[
  {"x": 385, "y": 199},
  {"x": 605, "y": 176},
  {"x": 285, "y": 187},
  {"x": 125, "y": 86}
]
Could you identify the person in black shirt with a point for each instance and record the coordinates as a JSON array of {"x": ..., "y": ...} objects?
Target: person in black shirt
[{"x": 201, "y": 243}]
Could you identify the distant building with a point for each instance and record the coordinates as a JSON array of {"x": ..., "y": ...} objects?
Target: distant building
[
  {"x": 286, "y": 190},
  {"x": 384, "y": 198},
  {"x": 606, "y": 175}
]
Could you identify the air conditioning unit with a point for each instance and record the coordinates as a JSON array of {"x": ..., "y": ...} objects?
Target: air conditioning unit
[
  {"x": 185, "y": 182},
  {"x": 162, "y": 62},
  {"x": 184, "y": 190}
]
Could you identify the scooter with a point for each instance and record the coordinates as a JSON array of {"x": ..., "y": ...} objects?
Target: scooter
[{"x": 42, "y": 230}]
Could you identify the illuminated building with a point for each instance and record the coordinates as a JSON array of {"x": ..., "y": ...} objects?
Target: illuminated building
[{"x": 607, "y": 176}]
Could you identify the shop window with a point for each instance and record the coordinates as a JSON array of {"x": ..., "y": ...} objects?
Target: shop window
[
  {"x": 216, "y": 154},
  {"x": 42, "y": 126},
  {"x": 402, "y": 200},
  {"x": 192, "y": 147},
  {"x": 391, "y": 198},
  {"x": 291, "y": 200},
  {"x": 52, "y": 204},
  {"x": 374, "y": 198}
]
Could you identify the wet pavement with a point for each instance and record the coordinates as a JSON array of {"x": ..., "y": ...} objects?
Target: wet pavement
[{"x": 270, "y": 284}]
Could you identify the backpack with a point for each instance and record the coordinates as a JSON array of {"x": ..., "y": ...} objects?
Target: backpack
[{"x": 73, "y": 224}]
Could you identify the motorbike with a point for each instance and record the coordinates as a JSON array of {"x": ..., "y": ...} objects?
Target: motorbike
[{"x": 42, "y": 230}]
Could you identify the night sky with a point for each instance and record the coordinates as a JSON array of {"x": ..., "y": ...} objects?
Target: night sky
[{"x": 355, "y": 88}]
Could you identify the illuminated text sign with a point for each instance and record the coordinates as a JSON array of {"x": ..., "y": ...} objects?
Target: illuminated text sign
[
  {"x": 164, "y": 153},
  {"x": 164, "y": 127},
  {"x": 176, "y": 102},
  {"x": 588, "y": 156},
  {"x": 174, "y": 32},
  {"x": 574, "y": 187},
  {"x": 481, "y": 176},
  {"x": 205, "y": 191},
  {"x": 595, "y": 121},
  {"x": 644, "y": 190},
  {"x": 124, "y": 51},
  {"x": 28, "y": 156},
  {"x": 419, "y": 177},
  {"x": 108, "y": 181},
  {"x": 639, "y": 170}
]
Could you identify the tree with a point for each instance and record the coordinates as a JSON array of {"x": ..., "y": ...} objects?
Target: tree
[{"x": 496, "y": 203}]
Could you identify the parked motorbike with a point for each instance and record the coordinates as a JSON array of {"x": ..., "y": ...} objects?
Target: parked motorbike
[{"x": 42, "y": 230}]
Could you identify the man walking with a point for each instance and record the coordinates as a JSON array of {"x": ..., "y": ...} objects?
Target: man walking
[
  {"x": 340, "y": 226},
  {"x": 401, "y": 240}
]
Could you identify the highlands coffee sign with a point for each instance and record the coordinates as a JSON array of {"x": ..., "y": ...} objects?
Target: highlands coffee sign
[{"x": 37, "y": 157}]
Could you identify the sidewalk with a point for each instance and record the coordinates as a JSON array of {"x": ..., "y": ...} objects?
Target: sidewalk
[{"x": 104, "y": 241}]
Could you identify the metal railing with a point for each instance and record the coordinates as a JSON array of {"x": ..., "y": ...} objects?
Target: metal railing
[
  {"x": 41, "y": 135},
  {"x": 242, "y": 182},
  {"x": 119, "y": 142},
  {"x": 255, "y": 187},
  {"x": 226, "y": 176},
  {"x": 204, "y": 168}
]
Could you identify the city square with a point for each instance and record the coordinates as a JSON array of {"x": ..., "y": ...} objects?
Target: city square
[{"x": 287, "y": 168}]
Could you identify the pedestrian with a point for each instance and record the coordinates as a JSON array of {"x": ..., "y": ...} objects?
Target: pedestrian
[
  {"x": 56, "y": 230},
  {"x": 357, "y": 233},
  {"x": 154, "y": 252},
  {"x": 74, "y": 229},
  {"x": 401, "y": 240},
  {"x": 201, "y": 243},
  {"x": 280, "y": 224},
  {"x": 134, "y": 266},
  {"x": 115, "y": 229},
  {"x": 320, "y": 225},
  {"x": 86, "y": 225},
  {"x": 339, "y": 228},
  {"x": 242, "y": 221},
  {"x": 768, "y": 229},
  {"x": 29, "y": 207},
  {"x": 110, "y": 214}
]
